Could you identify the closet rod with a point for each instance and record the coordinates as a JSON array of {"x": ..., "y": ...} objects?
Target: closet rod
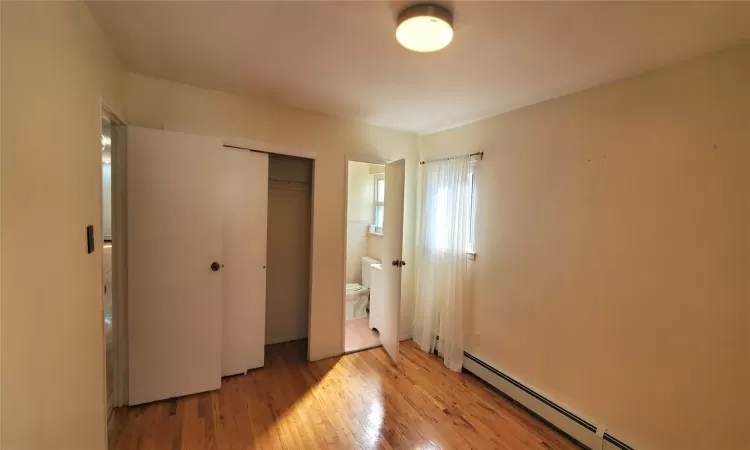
[
  {"x": 479, "y": 154},
  {"x": 243, "y": 148},
  {"x": 288, "y": 181}
]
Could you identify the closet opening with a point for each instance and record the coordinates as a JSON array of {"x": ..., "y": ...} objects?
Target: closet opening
[
  {"x": 219, "y": 263},
  {"x": 364, "y": 289},
  {"x": 288, "y": 269}
]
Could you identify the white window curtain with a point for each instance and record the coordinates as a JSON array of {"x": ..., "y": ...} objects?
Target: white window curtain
[{"x": 443, "y": 284}]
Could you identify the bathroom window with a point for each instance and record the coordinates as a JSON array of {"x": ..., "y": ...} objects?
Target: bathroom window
[{"x": 379, "y": 197}]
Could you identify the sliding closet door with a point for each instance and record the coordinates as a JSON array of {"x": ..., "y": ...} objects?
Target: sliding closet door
[
  {"x": 174, "y": 220},
  {"x": 393, "y": 233},
  {"x": 245, "y": 183}
]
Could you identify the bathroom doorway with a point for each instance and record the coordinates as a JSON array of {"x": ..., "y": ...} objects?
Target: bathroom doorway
[{"x": 364, "y": 239}]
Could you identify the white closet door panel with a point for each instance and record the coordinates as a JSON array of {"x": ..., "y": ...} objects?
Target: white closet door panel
[
  {"x": 174, "y": 219},
  {"x": 245, "y": 184},
  {"x": 393, "y": 233}
]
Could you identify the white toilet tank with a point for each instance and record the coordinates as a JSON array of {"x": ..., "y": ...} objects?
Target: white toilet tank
[{"x": 367, "y": 270}]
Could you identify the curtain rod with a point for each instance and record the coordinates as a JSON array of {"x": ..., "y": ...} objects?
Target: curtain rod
[{"x": 479, "y": 154}]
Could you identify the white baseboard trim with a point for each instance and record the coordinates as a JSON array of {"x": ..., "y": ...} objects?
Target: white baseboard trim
[{"x": 574, "y": 426}]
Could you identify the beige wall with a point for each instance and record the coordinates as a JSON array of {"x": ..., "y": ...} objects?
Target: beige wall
[
  {"x": 613, "y": 251},
  {"x": 56, "y": 70},
  {"x": 360, "y": 215},
  {"x": 375, "y": 250},
  {"x": 162, "y": 104}
]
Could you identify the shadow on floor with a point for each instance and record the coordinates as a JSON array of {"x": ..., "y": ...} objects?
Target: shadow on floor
[
  {"x": 361, "y": 400},
  {"x": 243, "y": 410}
]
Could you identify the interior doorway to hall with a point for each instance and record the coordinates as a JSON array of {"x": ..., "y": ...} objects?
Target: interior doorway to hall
[
  {"x": 107, "y": 255},
  {"x": 112, "y": 253},
  {"x": 363, "y": 301}
]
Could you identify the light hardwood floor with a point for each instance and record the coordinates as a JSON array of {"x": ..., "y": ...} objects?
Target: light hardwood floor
[{"x": 357, "y": 401}]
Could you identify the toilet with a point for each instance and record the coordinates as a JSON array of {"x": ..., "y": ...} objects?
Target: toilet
[{"x": 358, "y": 295}]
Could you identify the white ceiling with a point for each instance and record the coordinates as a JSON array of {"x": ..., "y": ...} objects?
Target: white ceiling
[{"x": 343, "y": 59}]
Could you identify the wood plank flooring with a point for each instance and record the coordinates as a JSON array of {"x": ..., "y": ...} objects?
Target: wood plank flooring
[{"x": 357, "y": 401}]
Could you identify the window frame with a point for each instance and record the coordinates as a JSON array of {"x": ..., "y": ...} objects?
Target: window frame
[
  {"x": 471, "y": 251},
  {"x": 377, "y": 177}
]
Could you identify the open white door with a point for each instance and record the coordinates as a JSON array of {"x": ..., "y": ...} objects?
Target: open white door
[
  {"x": 393, "y": 233},
  {"x": 245, "y": 184},
  {"x": 174, "y": 219}
]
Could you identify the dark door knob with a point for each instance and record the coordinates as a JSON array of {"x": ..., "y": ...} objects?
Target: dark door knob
[
  {"x": 215, "y": 266},
  {"x": 403, "y": 263},
  {"x": 395, "y": 263}
]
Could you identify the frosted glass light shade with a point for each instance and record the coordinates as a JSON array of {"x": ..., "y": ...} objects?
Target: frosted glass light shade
[{"x": 425, "y": 28}]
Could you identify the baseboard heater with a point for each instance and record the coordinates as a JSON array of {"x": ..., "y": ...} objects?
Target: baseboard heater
[{"x": 578, "y": 429}]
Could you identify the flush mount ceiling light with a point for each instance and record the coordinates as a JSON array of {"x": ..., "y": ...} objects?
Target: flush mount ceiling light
[{"x": 425, "y": 28}]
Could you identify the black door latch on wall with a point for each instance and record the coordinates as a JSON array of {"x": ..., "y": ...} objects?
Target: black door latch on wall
[{"x": 90, "y": 238}]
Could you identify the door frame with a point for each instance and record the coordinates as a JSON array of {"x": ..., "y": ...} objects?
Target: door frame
[
  {"x": 347, "y": 160},
  {"x": 119, "y": 262}
]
